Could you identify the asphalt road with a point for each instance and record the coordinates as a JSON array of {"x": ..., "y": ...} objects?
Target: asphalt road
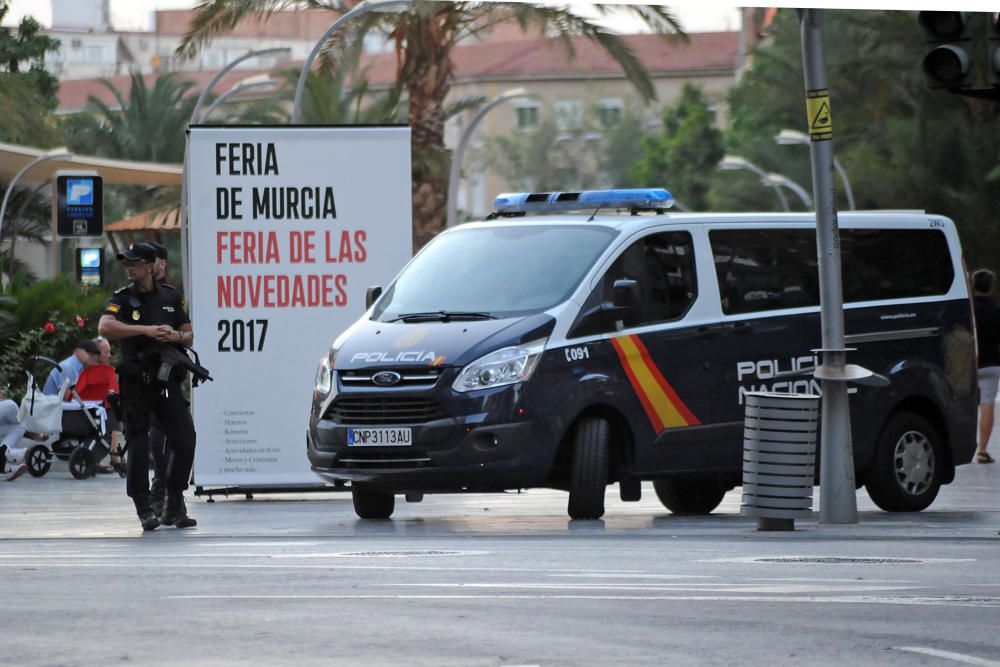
[{"x": 493, "y": 580}]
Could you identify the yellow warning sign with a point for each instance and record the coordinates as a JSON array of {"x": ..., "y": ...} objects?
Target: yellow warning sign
[{"x": 818, "y": 114}]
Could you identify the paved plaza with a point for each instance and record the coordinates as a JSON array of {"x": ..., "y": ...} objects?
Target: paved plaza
[{"x": 500, "y": 579}]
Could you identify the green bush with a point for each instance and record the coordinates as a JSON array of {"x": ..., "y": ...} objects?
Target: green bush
[{"x": 44, "y": 318}]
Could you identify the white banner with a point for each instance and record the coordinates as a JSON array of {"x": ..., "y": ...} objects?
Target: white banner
[{"x": 288, "y": 226}]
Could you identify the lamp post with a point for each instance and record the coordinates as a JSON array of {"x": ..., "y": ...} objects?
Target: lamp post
[
  {"x": 246, "y": 84},
  {"x": 783, "y": 181},
  {"x": 53, "y": 154},
  {"x": 734, "y": 162},
  {"x": 361, "y": 8},
  {"x": 790, "y": 137},
  {"x": 182, "y": 218},
  {"x": 456, "y": 159}
]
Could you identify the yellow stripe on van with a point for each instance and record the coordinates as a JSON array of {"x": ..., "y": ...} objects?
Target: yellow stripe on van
[{"x": 663, "y": 407}]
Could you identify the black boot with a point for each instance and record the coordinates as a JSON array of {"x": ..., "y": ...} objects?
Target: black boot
[
  {"x": 158, "y": 496},
  {"x": 148, "y": 520},
  {"x": 175, "y": 513}
]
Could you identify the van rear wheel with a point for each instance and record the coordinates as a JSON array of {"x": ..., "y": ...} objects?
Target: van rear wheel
[
  {"x": 689, "y": 496},
  {"x": 589, "y": 473},
  {"x": 372, "y": 504},
  {"x": 906, "y": 476}
]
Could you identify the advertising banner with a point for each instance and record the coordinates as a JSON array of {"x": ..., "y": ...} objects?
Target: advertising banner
[{"x": 288, "y": 226}]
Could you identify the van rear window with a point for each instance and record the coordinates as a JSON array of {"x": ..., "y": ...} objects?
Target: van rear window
[{"x": 773, "y": 269}]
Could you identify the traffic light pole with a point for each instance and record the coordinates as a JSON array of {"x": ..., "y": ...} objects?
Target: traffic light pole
[{"x": 837, "y": 492}]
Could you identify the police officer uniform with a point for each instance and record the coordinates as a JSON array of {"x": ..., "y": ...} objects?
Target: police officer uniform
[
  {"x": 143, "y": 394},
  {"x": 157, "y": 438}
]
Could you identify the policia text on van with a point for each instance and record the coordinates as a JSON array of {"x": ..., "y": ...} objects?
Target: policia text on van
[{"x": 574, "y": 351}]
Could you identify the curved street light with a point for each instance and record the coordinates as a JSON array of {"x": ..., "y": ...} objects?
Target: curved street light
[
  {"x": 53, "y": 154},
  {"x": 363, "y": 7},
  {"x": 778, "y": 180},
  {"x": 456, "y": 159},
  {"x": 790, "y": 137},
  {"x": 259, "y": 81},
  {"x": 182, "y": 218},
  {"x": 734, "y": 162}
]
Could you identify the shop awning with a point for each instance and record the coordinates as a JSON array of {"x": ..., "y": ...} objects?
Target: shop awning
[{"x": 124, "y": 172}]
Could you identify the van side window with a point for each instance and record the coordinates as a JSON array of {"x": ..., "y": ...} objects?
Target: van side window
[
  {"x": 765, "y": 269},
  {"x": 773, "y": 269},
  {"x": 663, "y": 267},
  {"x": 894, "y": 263}
]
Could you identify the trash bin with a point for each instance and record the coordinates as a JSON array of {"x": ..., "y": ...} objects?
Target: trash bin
[{"x": 779, "y": 457}]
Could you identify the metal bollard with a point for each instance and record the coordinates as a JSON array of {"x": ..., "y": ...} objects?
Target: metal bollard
[{"x": 779, "y": 458}]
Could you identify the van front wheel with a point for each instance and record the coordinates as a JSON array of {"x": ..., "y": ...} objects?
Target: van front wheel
[
  {"x": 907, "y": 471},
  {"x": 689, "y": 496},
  {"x": 372, "y": 504},
  {"x": 589, "y": 474}
]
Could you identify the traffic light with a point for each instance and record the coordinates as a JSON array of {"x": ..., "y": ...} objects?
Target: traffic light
[
  {"x": 993, "y": 39},
  {"x": 948, "y": 63}
]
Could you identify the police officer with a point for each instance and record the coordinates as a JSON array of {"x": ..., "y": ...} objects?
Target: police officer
[
  {"x": 157, "y": 438},
  {"x": 140, "y": 315}
]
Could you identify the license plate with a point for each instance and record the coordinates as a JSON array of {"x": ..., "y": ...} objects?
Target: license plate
[{"x": 379, "y": 437}]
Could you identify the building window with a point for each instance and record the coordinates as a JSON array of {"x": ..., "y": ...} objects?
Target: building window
[
  {"x": 569, "y": 114},
  {"x": 527, "y": 114},
  {"x": 95, "y": 54},
  {"x": 610, "y": 111},
  {"x": 76, "y": 43}
]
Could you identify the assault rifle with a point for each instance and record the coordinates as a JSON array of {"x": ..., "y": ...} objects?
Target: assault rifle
[{"x": 171, "y": 356}]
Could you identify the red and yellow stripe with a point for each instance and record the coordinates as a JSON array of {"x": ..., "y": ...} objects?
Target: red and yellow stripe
[{"x": 663, "y": 406}]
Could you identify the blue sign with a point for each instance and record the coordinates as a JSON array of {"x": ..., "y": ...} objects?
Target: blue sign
[{"x": 79, "y": 205}]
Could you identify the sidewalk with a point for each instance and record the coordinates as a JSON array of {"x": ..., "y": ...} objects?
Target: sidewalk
[{"x": 57, "y": 506}]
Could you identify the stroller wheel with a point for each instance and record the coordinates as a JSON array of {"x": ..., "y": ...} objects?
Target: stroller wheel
[
  {"x": 39, "y": 460},
  {"x": 82, "y": 464}
]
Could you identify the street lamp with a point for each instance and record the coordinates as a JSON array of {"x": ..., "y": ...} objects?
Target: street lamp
[
  {"x": 53, "y": 154},
  {"x": 734, "y": 162},
  {"x": 185, "y": 268},
  {"x": 362, "y": 7},
  {"x": 260, "y": 81},
  {"x": 789, "y": 137},
  {"x": 456, "y": 159},
  {"x": 779, "y": 180}
]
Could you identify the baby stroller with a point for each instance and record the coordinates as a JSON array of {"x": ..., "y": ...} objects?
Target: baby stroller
[{"x": 78, "y": 427}]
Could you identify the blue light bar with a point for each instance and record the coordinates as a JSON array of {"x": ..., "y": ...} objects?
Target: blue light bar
[{"x": 636, "y": 199}]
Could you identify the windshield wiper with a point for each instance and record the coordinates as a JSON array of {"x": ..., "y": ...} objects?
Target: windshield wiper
[{"x": 443, "y": 316}]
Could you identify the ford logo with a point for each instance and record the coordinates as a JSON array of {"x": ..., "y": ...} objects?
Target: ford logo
[{"x": 386, "y": 378}]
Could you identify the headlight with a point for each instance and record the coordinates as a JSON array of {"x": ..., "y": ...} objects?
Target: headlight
[
  {"x": 324, "y": 377},
  {"x": 506, "y": 366}
]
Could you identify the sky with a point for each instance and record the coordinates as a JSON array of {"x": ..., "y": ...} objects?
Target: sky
[{"x": 138, "y": 14}]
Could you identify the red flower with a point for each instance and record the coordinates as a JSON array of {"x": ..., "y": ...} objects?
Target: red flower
[
  {"x": 50, "y": 328},
  {"x": 79, "y": 321}
]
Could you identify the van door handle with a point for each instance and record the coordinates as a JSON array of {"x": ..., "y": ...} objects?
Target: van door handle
[{"x": 742, "y": 327}]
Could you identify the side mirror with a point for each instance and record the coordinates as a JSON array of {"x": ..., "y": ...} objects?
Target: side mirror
[
  {"x": 626, "y": 294},
  {"x": 371, "y": 295}
]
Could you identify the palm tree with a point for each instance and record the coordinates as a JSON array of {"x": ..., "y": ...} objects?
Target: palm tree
[
  {"x": 425, "y": 37},
  {"x": 28, "y": 218},
  {"x": 148, "y": 125}
]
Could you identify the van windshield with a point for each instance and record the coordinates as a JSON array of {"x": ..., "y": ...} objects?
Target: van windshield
[{"x": 481, "y": 272}]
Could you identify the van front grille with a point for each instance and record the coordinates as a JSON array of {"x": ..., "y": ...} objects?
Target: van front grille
[
  {"x": 383, "y": 410},
  {"x": 404, "y": 377}
]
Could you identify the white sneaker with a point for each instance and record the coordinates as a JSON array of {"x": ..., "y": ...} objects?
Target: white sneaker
[{"x": 17, "y": 472}]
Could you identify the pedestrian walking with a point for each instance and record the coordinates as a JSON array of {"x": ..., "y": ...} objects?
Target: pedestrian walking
[
  {"x": 988, "y": 338},
  {"x": 140, "y": 315}
]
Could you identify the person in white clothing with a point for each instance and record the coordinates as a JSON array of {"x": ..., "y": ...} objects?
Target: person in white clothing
[{"x": 11, "y": 433}]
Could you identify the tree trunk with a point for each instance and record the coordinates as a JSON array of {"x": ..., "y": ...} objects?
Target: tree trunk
[{"x": 427, "y": 70}]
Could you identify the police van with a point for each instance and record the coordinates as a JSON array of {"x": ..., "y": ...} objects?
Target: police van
[{"x": 579, "y": 339}]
